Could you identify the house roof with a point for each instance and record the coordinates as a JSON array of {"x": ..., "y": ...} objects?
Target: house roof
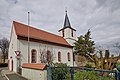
[
  {"x": 39, "y": 66},
  {"x": 22, "y": 30}
]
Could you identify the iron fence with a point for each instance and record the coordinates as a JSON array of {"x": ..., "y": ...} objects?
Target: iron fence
[{"x": 81, "y": 73}]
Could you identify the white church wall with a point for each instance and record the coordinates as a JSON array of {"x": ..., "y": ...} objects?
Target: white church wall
[
  {"x": 68, "y": 35},
  {"x": 64, "y": 56},
  {"x": 40, "y": 47},
  {"x": 12, "y": 49},
  {"x": 71, "y": 41},
  {"x": 23, "y": 47}
]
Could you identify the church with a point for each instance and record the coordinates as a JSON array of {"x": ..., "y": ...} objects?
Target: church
[{"x": 32, "y": 45}]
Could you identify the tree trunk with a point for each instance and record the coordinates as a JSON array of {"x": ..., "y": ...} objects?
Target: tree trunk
[
  {"x": 101, "y": 59},
  {"x": 4, "y": 58},
  {"x": 96, "y": 61}
]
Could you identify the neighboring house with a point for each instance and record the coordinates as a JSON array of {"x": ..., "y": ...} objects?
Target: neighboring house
[{"x": 40, "y": 45}]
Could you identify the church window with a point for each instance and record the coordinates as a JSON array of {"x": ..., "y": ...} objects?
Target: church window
[
  {"x": 68, "y": 56},
  {"x": 71, "y": 32},
  {"x": 59, "y": 56},
  {"x": 73, "y": 56},
  {"x": 33, "y": 56},
  {"x": 48, "y": 56},
  {"x": 63, "y": 33}
]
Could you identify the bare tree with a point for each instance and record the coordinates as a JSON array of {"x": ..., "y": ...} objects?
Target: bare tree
[
  {"x": 4, "y": 45},
  {"x": 45, "y": 57},
  {"x": 117, "y": 45}
]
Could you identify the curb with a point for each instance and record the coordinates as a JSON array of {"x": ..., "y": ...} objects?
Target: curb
[{"x": 6, "y": 77}]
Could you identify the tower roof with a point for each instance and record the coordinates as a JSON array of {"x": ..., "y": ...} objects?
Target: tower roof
[{"x": 66, "y": 22}]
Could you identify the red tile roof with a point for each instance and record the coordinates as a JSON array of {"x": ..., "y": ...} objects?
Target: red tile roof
[
  {"x": 22, "y": 30},
  {"x": 38, "y": 66}
]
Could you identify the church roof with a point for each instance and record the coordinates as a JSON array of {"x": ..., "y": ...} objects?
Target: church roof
[
  {"x": 38, "y": 35},
  {"x": 67, "y": 23}
]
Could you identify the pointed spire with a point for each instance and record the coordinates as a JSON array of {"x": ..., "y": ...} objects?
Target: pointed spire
[{"x": 66, "y": 22}]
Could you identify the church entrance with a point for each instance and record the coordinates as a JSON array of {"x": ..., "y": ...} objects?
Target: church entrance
[{"x": 11, "y": 65}]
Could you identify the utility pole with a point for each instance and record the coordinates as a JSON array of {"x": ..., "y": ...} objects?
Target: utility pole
[{"x": 28, "y": 39}]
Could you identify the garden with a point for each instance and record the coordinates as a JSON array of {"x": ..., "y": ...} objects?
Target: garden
[{"x": 63, "y": 72}]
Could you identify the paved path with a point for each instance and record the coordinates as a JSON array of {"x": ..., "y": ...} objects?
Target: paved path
[
  {"x": 12, "y": 76},
  {"x": 15, "y": 77},
  {"x": 1, "y": 76}
]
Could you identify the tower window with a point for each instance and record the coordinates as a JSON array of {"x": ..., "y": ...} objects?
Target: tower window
[
  {"x": 73, "y": 56},
  {"x": 59, "y": 56},
  {"x": 33, "y": 56},
  {"x": 71, "y": 32},
  {"x": 68, "y": 56},
  {"x": 63, "y": 33}
]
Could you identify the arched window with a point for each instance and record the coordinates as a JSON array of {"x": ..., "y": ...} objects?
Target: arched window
[
  {"x": 59, "y": 56},
  {"x": 68, "y": 56},
  {"x": 63, "y": 33},
  {"x": 71, "y": 32},
  {"x": 73, "y": 56},
  {"x": 48, "y": 56},
  {"x": 33, "y": 56}
]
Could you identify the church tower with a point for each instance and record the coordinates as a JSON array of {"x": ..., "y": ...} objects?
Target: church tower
[{"x": 67, "y": 31}]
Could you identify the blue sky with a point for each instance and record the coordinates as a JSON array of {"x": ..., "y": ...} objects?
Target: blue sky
[{"x": 101, "y": 16}]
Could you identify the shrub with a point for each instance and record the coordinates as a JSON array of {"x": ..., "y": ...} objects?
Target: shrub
[
  {"x": 59, "y": 73},
  {"x": 89, "y": 64},
  {"x": 88, "y": 75},
  {"x": 118, "y": 64}
]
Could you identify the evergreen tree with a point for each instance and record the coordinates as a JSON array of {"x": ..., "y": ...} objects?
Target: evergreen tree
[{"x": 84, "y": 46}]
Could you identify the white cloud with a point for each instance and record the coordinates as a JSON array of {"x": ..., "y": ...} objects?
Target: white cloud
[{"x": 102, "y": 15}]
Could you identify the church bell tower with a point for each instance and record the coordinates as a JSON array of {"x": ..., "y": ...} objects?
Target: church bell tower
[{"x": 67, "y": 31}]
